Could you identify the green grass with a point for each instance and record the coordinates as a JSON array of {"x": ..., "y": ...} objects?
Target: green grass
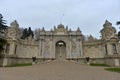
[
  {"x": 95, "y": 64},
  {"x": 20, "y": 65},
  {"x": 113, "y": 69}
]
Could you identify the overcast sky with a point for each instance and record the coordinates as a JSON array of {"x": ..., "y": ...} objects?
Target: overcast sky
[{"x": 89, "y": 15}]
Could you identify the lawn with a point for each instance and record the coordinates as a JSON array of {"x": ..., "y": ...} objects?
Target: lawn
[
  {"x": 96, "y": 64},
  {"x": 113, "y": 69}
]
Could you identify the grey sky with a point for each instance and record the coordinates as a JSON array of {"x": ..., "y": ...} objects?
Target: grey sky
[{"x": 89, "y": 15}]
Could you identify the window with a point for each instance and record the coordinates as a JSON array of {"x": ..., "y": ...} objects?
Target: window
[
  {"x": 114, "y": 49},
  {"x": 15, "y": 49},
  {"x": 106, "y": 51},
  {"x": 7, "y": 48}
]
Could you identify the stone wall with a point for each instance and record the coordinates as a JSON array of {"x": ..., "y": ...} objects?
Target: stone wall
[
  {"x": 27, "y": 51},
  {"x": 113, "y": 60},
  {"x": 76, "y": 47},
  {"x": 93, "y": 50}
]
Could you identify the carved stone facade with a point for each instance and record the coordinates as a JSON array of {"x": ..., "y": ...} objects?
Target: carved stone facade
[{"x": 63, "y": 44}]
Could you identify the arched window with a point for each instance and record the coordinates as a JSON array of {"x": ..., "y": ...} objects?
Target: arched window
[
  {"x": 114, "y": 49},
  {"x": 106, "y": 51},
  {"x": 15, "y": 49},
  {"x": 7, "y": 48}
]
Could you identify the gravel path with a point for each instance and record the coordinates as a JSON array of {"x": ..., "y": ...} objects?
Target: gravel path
[{"x": 57, "y": 70}]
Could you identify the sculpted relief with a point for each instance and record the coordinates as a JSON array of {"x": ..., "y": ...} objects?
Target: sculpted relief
[
  {"x": 108, "y": 30},
  {"x": 73, "y": 49},
  {"x": 47, "y": 49}
]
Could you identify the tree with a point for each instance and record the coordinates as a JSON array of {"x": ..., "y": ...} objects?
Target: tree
[
  {"x": 118, "y": 23},
  {"x": 2, "y": 23},
  {"x": 26, "y": 33},
  {"x": 3, "y": 28}
]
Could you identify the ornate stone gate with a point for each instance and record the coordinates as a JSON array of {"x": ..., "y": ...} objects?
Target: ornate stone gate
[{"x": 60, "y": 43}]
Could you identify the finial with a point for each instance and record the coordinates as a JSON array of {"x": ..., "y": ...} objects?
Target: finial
[
  {"x": 78, "y": 29},
  {"x": 51, "y": 30},
  {"x": 67, "y": 28},
  {"x": 14, "y": 24},
  {"x": 43, "y": 29},
  {"x": 107, "y": 23},
  {"x": 54, "y": 27},
  {"x": 61, "y": 18}
]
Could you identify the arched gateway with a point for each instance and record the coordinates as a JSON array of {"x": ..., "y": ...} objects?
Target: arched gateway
[
  {"x": 60, "y": 43},
  {"x": 60, "y": 51}
]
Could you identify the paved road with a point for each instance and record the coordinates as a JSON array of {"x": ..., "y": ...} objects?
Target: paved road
[{"x": 57, "y": 70}]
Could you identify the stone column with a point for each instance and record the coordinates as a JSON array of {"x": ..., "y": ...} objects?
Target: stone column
[
  {"x": 70, "y": 48},
  {"x": 117, "y": 48},
  {"x": 78, "y": 49},
  {"x": 81, "y": 49},
  {"x": 67, "y": 50},
  {"x": 12, "y": 48},
  {"x": 51, "y": 49},
  {"x": 41, "y": 48},
  {"x": 54, "y": 46}
]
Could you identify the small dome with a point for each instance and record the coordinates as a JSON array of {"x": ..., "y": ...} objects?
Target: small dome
[{"x": 60, "y": 26}]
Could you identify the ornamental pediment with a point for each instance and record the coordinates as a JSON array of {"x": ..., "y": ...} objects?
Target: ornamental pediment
[{"x": 61, "y": 30}]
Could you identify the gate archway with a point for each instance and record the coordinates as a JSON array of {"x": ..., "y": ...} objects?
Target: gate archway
[{"x": 60, "y": 53}]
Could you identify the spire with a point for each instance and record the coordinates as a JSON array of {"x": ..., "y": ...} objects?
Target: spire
[
  {"x": 107, "y": 24},
  {"x": 70, "y": 30},
  {"x": 51, "y": 30},
  {"x": 78, "y": 29},
  {"x": 61, "y": 18},
  {"x": 43, "y": 29},
  {"x": 54, "y": 27},
  {"x": 14, "y": 24}
]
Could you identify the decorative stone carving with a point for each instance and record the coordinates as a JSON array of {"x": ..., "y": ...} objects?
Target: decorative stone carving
[
  {"x": 61, "y": 30},
  {"x": 91, "y": 38},
  {"x": 73, "y": 49},
  {"x": 108, "y": 31},
  {"x": 14, "y": 24},
  {"x": 47, "y": 49},
  {"x": 13, "y": 31},
  {"x": 78, "y": 31}
]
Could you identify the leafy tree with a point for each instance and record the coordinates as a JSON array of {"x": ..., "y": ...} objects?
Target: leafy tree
[
  {"x": 26, "y": 33},
  {"x": 3, "y": 28},
  {"x": 118, "y": 23},
  {"x": 2, "y": 23}
]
